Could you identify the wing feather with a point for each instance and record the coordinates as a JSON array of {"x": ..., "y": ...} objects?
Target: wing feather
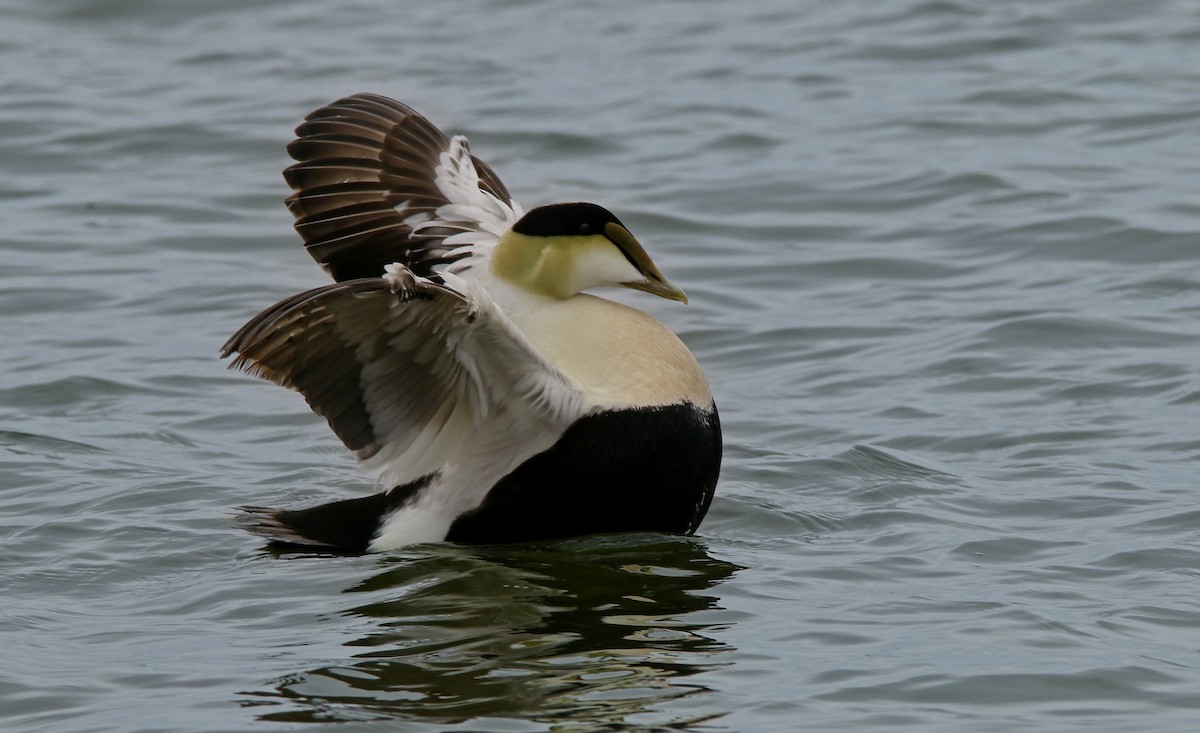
[
  {"x": 377, "y": 183},
  {"x": 403, "y": 367}
]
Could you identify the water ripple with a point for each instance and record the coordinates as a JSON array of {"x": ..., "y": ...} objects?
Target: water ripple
[{"x": 942, "y": 259}]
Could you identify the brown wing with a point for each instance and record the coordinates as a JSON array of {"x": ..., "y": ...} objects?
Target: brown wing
[
  {"x": 367, "y": 172},
  {"x": 403, "y": 367}
]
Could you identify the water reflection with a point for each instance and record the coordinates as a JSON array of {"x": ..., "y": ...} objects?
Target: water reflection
[{"x": 579, "y": 635}]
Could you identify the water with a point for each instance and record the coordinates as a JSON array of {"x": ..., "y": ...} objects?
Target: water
[{"x": 943, "y": 266}]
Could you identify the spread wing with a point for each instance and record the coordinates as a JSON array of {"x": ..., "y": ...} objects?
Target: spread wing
[
  {"x": 404, "y": 368},
  {"x": 377, "y": 183}
]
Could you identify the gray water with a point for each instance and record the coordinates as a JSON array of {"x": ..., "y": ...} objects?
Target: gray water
[{"x": 944, "y": 268}]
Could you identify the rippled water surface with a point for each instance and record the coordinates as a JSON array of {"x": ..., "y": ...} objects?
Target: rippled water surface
[{"x": 944, "y": 267}]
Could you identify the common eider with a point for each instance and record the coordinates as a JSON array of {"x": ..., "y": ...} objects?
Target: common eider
[{"x": 458, "y": 357}]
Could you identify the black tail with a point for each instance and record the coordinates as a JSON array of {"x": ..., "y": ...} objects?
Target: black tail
[{"x": 348, "y": 525}]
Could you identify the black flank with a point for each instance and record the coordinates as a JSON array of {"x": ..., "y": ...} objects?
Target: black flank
[{"x": 649, "y": 469}]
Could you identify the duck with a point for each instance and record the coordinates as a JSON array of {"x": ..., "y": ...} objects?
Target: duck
[{"x": 457, "y": 355}]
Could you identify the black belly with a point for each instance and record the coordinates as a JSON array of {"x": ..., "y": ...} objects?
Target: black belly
[{"x": 648, "y": 469}]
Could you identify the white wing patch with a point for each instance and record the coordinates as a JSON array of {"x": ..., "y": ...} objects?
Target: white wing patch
[{"x": 480, "y": 217}]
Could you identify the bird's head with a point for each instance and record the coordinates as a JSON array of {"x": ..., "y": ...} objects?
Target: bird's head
[{"x": 564, "y": 249}]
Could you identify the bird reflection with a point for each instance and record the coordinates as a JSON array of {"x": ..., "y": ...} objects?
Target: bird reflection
[{"x": 581, "y": 635}]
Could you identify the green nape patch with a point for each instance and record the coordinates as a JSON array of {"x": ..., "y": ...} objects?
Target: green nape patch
[{"x": 546, "y": 265}]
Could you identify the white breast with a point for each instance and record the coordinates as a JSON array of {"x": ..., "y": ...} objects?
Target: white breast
[{"x": 620, "y": 356}]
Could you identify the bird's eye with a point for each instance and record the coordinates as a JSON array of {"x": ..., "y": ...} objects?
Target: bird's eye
[{"x": 585, "y": 228}]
